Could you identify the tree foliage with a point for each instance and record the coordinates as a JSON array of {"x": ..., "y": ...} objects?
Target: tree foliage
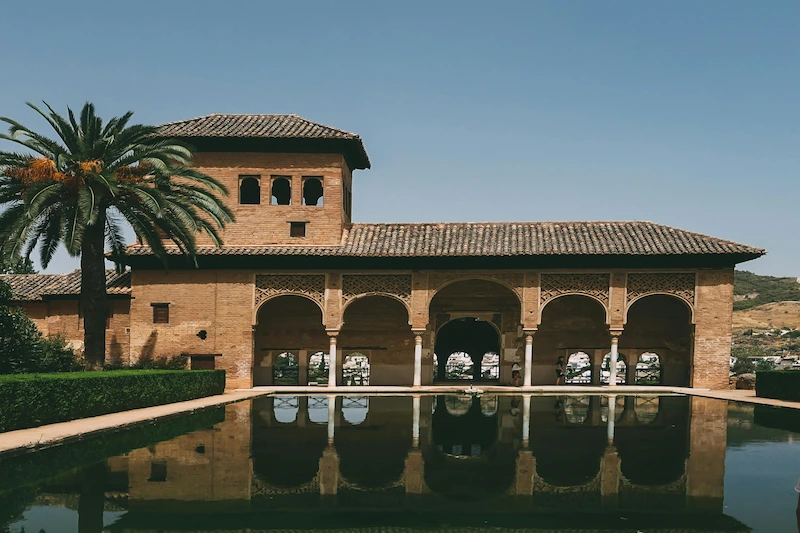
[
  {"x": 23, "y": 349},
  {"x": 81, "y": 188}
]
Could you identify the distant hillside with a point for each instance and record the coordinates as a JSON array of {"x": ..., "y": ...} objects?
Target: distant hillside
[{"x": 750, "y": 290}]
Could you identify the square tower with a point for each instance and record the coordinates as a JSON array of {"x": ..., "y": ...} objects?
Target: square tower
[{"x": 289, "y": 179}]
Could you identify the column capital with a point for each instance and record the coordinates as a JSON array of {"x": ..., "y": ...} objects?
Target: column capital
[
  {"x": 418, "y": 331},
  {"x": 615, "y": 333},
  {"x": 332, "y": 332},
  {"x": 529, "y": 332}
]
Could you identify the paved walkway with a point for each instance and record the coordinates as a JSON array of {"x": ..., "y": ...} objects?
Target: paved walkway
[
  {"x": 746, "y": 396},
  {"x": 43, "y": 436},
  {"x": 49, "y": 435}
]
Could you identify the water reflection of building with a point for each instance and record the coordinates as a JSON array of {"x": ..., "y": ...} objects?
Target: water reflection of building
[{"x": 620, "y": 451}]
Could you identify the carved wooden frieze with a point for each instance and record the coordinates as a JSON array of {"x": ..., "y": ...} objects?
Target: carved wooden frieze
[
  {"x": 680, "y": 284},
  {"x": 397, "y": 285},
  {"x": 555, "y": 285},
  {"x": 311, "y": 286}
]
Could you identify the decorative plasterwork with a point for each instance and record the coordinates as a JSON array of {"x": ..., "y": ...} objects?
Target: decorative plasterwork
[
  {"x": 312, "y": 286},
  {"x": 594, "y": 285},
  {"x": 395, "y": 285},
  {"x": 512, "y": 280},
  {"x": 680, "y": 284}
]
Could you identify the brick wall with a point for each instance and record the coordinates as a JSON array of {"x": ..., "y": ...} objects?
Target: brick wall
[
  {"x": 61, "y": 317},
  {"x": 218, "y": 302},
  {"x": 269, "y": 224},
  {"x": 712, "y": 336}
]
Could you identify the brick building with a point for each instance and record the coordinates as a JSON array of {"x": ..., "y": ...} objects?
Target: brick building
[{"x": 299, "y": 291}]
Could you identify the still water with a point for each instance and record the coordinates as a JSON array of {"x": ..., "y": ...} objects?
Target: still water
[{"x": 426, "y": 463}]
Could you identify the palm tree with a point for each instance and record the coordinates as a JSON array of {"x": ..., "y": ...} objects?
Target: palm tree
[{"x": 81, "y": 188}]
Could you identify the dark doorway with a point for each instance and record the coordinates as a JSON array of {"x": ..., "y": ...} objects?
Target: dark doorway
[{"x": 473, "y": 337}]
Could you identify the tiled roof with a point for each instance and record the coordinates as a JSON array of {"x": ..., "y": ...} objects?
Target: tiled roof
[
  {"x": 220, "y": 125},
  {"x": 500, "y": 239},
  {"x": 29, "y": 287}
]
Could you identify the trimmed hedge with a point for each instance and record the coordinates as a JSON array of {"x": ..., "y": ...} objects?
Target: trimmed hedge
[
  {"x": 778, "y": 384},
  {"x": 30, "y": 400}
]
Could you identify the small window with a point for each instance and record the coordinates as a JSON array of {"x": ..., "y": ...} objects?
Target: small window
[
  {"x": 249, "y": 190},
  {"x": 160, "y": 313},
  {"x": 312, "y": 191},
  {"x": 297, "y": 229},
  {"x": 281, "y": 191},
  {"x": 158, "y": 471}
]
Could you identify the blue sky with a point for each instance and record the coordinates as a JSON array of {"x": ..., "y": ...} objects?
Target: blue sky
[{"x": 680, "y": 112}]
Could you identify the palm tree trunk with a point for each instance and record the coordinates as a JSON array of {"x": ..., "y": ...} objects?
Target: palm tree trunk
[{"x": 93, "y": 294}]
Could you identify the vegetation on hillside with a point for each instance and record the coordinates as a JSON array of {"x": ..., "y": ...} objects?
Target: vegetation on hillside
[{"x": 761, "y": 290}]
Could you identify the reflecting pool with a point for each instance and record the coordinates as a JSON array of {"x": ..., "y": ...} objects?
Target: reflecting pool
[{"x": 423, "y": 463}]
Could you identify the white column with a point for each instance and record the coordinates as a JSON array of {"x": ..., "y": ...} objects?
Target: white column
[
  {"x": 612, "y": 364},
  {"x": 526, "y": 420},
  {"x": 418, "y": 360},
  {"x": 332, "y": 366},
  {"x": 415, "y": 426},
  {"x": 527, "y": 371},
  {"x": 612, "y": 408},
  {"x": 331, "y": 418}
]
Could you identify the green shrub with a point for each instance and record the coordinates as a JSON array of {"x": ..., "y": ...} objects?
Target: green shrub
[
  {"x": 23, "y": 349},
  {"x": 29, "y": 400},
  {"x": 778, "y": 384}
]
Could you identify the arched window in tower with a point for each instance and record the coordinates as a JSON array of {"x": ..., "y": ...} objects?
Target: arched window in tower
[
  {"x": 249, "y": 190},
  {"x": 281, "y": 191},
  {"x": 312, "y": 191}
]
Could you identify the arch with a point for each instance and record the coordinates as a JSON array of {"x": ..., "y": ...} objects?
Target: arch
[
  {"x": 661, "y": 324},
  {"x": 489, "y": 405},
  {"x": 606, "y": 314},
  {"x": 622, "y": 369},
  {"x": 377, "y": 327},
  {"x": 355, "y": 409},
  {"x": 569, "y": 324},
  {"x": 281, "y": 191},
  {"x": 286, "y": 369},
  {"x": 576, "y": 410},
  {"x": 568, "y": 452},
  {"x": 285, "y": 409},
  {"x": 688, "y": 304},
  {"x": 464, "y": 344},
  {"x": 619, "y": 408},
  {"x": 355, "y": 369},
  {"x": 318, "y": 409},
  {"x": 378, "y": 294},
  {"x": 286, "y": 324},
  {"x": 476, "y": 277},
  {"x": 319, "y": 368},
  {"x": 284, "y": 458},
  {"x": 259, "y": 305},
  {"x": 459, "y": 365},
  {"x": 313, "y": 191},
  {"x": 373, "y": 454},
  {"x": 656, "y": 455},
  {"x": 490, "y": 366},
  {"x": 249, "y": 190},
  {"x": 578, "y": 364},
  {"x": 646, "y": 409},
  {"x": 648, "y": 369},
  {"x": 457, "y": 405}
]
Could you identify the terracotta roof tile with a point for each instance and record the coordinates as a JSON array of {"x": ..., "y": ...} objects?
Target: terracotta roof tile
[
  {"x": 30, "y": 287},
  {"x": 221, "y": 125},
  {"x": 500, "y": 239}
]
